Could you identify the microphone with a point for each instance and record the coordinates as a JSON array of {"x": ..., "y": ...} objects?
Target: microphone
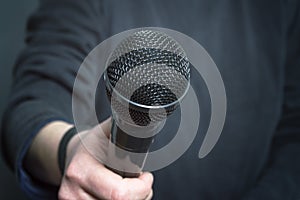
[{"x": 147, "y": 76}]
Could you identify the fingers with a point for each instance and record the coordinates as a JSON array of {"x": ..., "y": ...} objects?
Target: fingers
[
  {"x": 98, "y": 182},
  {"x": 146, "y": 177},
  {"x": 70, "y": 191},
  {"x": 150, "y": 195},
  {"x": 87, "y": 178},
  {"x": 108, "y": 185},
  {"x": 141, "y": 186},
  {"x": 138, "y": 188}
]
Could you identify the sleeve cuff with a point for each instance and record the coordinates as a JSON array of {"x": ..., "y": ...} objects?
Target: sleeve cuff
[{"x": 33, "y": 188}]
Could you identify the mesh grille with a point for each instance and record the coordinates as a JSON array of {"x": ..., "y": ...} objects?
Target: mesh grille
[{"x": 150, "y": 69}]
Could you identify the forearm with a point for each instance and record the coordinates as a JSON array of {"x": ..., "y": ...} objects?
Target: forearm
[
  {"x": 59, "y": 36},
  {"x": 41, "y": 160}
]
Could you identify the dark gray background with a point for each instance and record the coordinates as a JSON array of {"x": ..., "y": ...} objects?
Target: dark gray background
[{"x": 13, "y": 16}]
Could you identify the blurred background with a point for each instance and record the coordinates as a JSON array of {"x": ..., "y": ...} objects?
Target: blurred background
[{"x": 13, "y": 16}]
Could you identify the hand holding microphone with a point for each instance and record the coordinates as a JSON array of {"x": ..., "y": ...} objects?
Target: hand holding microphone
[
  {"x": 86, "y": 178},
  {"x": 147, "y": 75}
]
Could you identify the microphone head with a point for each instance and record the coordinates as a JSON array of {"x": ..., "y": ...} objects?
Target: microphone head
[{"x": 147, "y": 75}]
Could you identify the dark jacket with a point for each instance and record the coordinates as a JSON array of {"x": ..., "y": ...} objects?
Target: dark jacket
[{"x": 256, "y": 46}]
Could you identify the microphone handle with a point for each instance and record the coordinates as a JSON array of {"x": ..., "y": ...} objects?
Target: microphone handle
[{"x": 129, "y": 143}]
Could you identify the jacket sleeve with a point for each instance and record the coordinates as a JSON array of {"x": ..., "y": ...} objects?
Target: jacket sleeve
[
  {"x": 281, "y": 178},
  {"x": 59, "y": 36}
]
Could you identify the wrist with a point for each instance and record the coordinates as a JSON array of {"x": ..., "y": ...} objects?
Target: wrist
[{"x": 41, "y": 158}]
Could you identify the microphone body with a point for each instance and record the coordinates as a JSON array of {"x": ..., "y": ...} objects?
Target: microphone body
[{"x": 146, "y": 77}]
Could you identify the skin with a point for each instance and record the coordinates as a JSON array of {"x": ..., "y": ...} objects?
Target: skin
[{"x": 85, "y": 177}]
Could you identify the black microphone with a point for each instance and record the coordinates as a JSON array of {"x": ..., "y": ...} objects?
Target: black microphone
[{"x": 146, "y": 77}]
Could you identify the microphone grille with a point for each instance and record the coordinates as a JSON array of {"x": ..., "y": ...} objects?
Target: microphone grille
[{"x": 149, "y": 69}]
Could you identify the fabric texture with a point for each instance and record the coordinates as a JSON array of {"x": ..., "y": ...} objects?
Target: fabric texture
[{"x": 256, "y": 46}]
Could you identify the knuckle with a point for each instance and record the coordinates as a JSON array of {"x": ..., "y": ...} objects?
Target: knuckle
[
  {"x": 72, "y": 173},
  {"x": 68, "y": 191},
  {"x": 63, "y": 194},
  {"x": 119, "y": 194}
]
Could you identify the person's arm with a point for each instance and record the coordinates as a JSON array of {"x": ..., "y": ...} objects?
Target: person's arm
[
  {"x": 84, "y": 177},
  {"x": 41, "y": 159},
  {"x": 281, "y": 178},
  {"x": 60, "y": 34}
]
